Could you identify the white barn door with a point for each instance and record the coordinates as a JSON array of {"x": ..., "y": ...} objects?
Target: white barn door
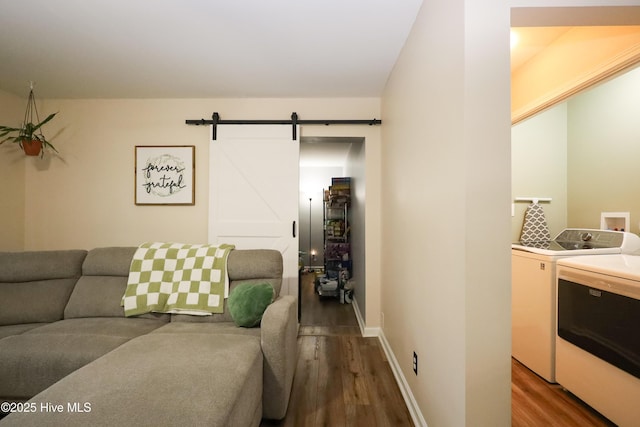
[{"x": 253, "y": 185}]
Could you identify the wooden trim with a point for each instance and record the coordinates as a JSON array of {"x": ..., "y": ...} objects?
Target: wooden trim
[
  {"x": 622, "y": 62},
  {"x": 557, "y": 16}
]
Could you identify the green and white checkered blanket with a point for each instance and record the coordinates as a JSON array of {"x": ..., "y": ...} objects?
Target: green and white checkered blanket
[{"x": 177, "y": 278}]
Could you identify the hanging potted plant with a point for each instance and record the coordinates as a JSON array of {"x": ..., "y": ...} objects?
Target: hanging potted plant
[{"x": 29, "y": 136}]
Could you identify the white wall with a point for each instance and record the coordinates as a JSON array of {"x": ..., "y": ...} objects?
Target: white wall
[
  {"x": 12, "y": 170},
  {"x": 446, "y": 222},
  {"x": 355, "y": 168},
  {"x": 539, "y": 167}
]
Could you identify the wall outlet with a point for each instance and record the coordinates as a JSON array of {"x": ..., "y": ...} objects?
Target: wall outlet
[{"x": 415, "y": 363}]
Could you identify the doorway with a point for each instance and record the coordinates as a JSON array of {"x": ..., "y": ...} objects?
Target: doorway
[{"x": 321, "y": 159}]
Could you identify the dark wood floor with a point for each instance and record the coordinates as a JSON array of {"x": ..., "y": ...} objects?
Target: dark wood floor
[
  {"x": 343, "y": 379},
  {"x": 535, "y": 402}
]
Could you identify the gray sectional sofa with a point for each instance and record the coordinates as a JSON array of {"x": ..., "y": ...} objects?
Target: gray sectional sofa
[{"x": 69, "y": 356}]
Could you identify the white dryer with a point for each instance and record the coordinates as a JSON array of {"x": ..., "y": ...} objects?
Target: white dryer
[
  {"x": 598, "y": 333},
  {"x": 533, "y": 290}
]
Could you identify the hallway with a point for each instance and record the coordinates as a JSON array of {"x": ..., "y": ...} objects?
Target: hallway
[{"x": 342, "y": 378}]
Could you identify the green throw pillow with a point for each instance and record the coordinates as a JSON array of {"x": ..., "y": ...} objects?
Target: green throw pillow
[{"x": 247, "y": 303}]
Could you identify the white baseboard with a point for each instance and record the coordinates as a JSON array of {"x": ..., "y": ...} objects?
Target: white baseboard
[
  {"x": 407, "y": 395},
  {"x": 366, "y": 332}
]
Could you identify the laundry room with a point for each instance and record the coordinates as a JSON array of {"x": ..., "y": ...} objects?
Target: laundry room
[
  {"x": 583, "y": 155},
  {"x": 576, "y": 215}
]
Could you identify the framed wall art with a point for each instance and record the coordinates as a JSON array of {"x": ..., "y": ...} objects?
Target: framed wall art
[{"x": 165, "y": 175}]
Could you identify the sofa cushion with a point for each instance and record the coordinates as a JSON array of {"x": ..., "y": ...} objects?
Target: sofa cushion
[
  {"x": 41, "y": 356},
  {"x": 188, "y": 379},
  {"x": 248, "y": 302},
  {"x": 99, "y": 291},
  {"x": 8, "y": 330},
  {"x": 110, "y": 261},
  {"x": 278, "y": 334},
  {"x": 228, "y": 328},
  {"x": 96, "y": 296},
  {"x": 33, "y": 266},
  {"x": 105, "y": 326},
  {"x": 26, "y": 276},
  {"x": 32, "y": 362},
  {"x": 260, "y": 264}
]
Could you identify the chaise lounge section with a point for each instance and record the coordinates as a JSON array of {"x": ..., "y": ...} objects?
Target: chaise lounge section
[{"x": 69, "y": 356}]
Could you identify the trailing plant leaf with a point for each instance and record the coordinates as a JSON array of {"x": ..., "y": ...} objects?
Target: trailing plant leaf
[{"x": 27, "y": 132}]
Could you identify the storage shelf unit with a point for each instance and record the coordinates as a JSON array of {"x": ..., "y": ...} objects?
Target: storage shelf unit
[{"x": 337, "y": 238}]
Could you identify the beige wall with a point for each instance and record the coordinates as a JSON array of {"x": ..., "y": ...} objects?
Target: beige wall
[
  {"x": 88, "y": 189},
  {"x": 12, "y": 167},
  {"x": 539, "y": 167},
  {"x": 447, "y": 203},
  {"x": 84, "y": 197},
  {"x": 446, "y": 280}
]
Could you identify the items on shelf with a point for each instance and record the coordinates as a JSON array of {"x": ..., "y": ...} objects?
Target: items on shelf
[
  {"x": 337, "y": 251},
  {"x": 335, "y": 228},
  {"x": 337, "y": 247}
]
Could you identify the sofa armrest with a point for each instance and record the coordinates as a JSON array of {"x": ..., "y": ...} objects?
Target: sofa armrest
[{"x": 279, "y": 332}]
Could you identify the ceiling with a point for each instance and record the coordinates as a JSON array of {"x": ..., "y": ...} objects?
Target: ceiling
[
  {"x": 213, "y": 49},
  {"x": 326, "y": 151},
  {"x": 201, "y": 48},
  {"x": 530, "y": 41}
]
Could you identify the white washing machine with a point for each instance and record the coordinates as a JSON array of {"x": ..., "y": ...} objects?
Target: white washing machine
[
  {"x": 533, "y": 290},
  {"x": 598, "y": 333}
]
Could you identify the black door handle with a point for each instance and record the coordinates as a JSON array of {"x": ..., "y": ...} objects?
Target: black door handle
[{"x": 294, "y": 229}]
